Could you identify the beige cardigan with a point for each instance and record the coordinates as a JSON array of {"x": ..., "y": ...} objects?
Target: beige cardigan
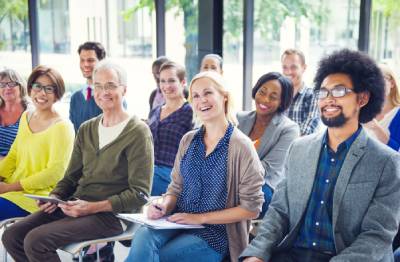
[{"x": 244, "y": 182}]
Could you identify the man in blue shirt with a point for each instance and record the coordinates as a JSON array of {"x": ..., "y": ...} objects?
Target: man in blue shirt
[
  {"x": 339, "y": 200},
  {"x": 82, "y": 105}
]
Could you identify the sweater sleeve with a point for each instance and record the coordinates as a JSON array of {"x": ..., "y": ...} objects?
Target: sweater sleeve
[
  {"x": 140, "y": 159},
  {"x": 251, "y": 177},
  {"x": 60, "y": 142}
]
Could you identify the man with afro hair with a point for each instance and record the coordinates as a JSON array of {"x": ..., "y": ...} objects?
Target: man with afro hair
[{"x": 340, "y": 198}]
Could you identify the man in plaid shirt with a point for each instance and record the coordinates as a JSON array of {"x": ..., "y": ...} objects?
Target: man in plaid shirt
[{"x": 304, "y": 108}]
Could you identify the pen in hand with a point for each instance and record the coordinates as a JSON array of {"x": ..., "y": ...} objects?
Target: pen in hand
[{"x": 148, "y": 200}]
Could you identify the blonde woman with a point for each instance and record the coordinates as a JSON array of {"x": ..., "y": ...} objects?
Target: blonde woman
[
  {"x": 386, "y": 126},
  {"x": 216, "y": 181}
]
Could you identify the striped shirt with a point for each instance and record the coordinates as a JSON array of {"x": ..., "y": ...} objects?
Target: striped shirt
[
  {"x": 7, "y": 137},
  {"x": 316, "y": 233}
]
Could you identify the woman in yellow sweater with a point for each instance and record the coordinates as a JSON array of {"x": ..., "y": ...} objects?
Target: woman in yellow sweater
[{"x": 41, "y": 151}]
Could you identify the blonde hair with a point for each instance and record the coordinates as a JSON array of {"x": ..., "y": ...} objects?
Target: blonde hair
[
  {"x": 395, "y": 91},
  {"x": 220, "y": 85}
]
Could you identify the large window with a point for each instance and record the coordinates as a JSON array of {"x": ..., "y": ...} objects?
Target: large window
[
  {"x": 181, "y": 30},
  {"x": 233, "y": 49},
  {"x": 14, "y": 36},
  {"x": 126, "y": 33},
  {"x": 385, "y": 32},
  {"x": 308, "y": 25}
]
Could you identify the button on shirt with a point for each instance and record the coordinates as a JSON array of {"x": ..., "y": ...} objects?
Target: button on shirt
[
  {"x": 316, "y": 232},
  {"x": 204, "y": 186}
]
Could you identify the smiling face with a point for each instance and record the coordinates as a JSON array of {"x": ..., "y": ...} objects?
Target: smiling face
[
  {"x": 9, "y": 94},
  {"x": 170, "y": 85},
  {"x": 41, "y": 99},
  {"x": 268, "y": 98},
  {"x": 88, "y": 61},
  {"x": 337, "y": 112},
  {"x": 208, "y": 103},
  {"x": 210, "y": 64},
  {"x": 293, "y": 68},
  {"x": 108, "y": 92}
]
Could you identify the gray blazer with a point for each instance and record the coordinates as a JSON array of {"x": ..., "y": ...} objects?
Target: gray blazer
[
  {"x": 274, "y": 144},
  {"x": 366, "y": 206}
]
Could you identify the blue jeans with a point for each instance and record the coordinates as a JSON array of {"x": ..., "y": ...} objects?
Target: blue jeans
[
  {"x": 161, "y": 180},
  {"x": 10, "y": 210},
  {"x": 169, "y": 246},
  {"x": 397, "y": 255},
  {"x": 268, "y": 192}
]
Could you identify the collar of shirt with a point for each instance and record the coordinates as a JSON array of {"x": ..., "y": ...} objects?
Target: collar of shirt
[{"x": 345, "y": 145}]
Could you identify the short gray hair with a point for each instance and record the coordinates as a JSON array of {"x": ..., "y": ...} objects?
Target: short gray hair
[
  {"x": 15, "y": 77},
  {"x": 108, "y": 64}
]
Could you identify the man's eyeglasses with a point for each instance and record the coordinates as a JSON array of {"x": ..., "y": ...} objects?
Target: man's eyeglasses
[
  {"x": 106, "y": 87},
  {"x": 47, "y": 89},
  {"x": 8, "y": 84},
  {"x": 336, "y": 92}
]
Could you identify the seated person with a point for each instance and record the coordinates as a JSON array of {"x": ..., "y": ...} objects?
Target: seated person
[
  {"x": 386, "y": 125},
  {"x": 216, "y": 181},
  {"x": 13, "y": 101},
  {"x": 156, "y": 97},
  {"x": 42, "y": 148},
  {"x": 168, "y": 124},
  {"x": 270, "y": 130},
  {"x": 111, "y": 165},
  {"x": 212, "y": 62},
  {"x": 339, "y": 198}
]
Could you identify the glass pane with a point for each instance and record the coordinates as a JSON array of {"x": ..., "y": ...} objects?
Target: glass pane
[
  {"x": 315, "y": 27},
  {"x": 15, "y": 49},
  {"x": 385, "y": 32},
  {"x": 233, "y": 49},
  {"x": 181, "y": 30},
  {"x": 126, "y": 35}
]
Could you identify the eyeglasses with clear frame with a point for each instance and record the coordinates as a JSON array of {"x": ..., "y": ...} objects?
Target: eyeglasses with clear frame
[
  {"x": 10, "y": 84},
  {"x": 106, "y": 87},
  {"x": 336, "y": 92},
  {"x": 49, "y": 89}
]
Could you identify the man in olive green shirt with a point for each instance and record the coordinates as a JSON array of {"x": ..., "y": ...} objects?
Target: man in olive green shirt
[{"x": 111, "y": 165}]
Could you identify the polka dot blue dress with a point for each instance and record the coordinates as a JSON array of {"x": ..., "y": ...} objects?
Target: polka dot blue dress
[{"x": 204, "y": 186}]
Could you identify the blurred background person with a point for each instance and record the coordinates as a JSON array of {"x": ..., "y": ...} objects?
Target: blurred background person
[
  {"x": 13, "y": 102},
  {"x": 42, "y": 148},
  {"x": 83, "y": 106},
  {"x": 270, "y": 130},
  {"x": 168, "y": 123},
  {"x": 386, "y": 126},
  {"x": 304, "y": 108},
  {"x": 156, "y": 97},
  {"x": 212, "y": 62}
]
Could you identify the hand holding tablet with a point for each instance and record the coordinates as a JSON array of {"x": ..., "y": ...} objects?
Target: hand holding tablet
[{"x": 46, "y": 199}]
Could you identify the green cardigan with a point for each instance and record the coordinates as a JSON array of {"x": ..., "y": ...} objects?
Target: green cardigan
[{"x": 117, "y": 172}]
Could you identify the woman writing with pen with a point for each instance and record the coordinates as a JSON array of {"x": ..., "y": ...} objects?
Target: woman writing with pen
[{"x": 216, "y": 181}]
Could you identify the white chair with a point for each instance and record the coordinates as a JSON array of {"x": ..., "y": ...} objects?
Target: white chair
[
  {"x": 4, "y": 224},
  {"x": 77, "y": 248}
]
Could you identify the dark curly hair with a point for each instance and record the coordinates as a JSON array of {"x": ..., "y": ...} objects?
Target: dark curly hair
[
  {"x": 286, "y": 86},
  {"x": 97, "y": 47},
  {"x": 364, "y": 73}
]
